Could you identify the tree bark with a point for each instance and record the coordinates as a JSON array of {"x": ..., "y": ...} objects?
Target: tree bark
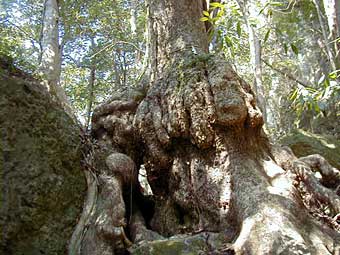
[
  {"x": 50, "y": 59},
  {"x": 50, "y": 64},
  {"x": 133, "y": 17},
  {"x": 198, "y": 131},
  {"x": 332, "y": 8},
  {"x": 255, "y": 53},
  {"x": 329, "y": 50},
  {"x": 117, "y": 72},
  {"x": 92, "y": 80}
]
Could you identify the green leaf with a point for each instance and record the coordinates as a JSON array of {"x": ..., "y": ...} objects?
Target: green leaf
[
  {"x": 229, "y": 24},
  {"x": 205, "y": 13},
  {"x": 265, "y": 6},
  {"x": 270, "y": 13},
  {"x": 285, "y": 47},
  {"x": 238, "y": 28},
  {"x": 332, "y": 75},
  {"x": 326, "y": 83},
  {"x": 228, "y": 41},
  {"x": 277, "y": 4},
  {"x": 266, "y": 36},
  {"x": 216, "y": 5},
  {"x": 204, "y": 19},
  {"x": 294, "y": 48},
  {"x": 211, "y": 35},
  {"x": 294, "y": 95},
  {"x": 220, "y": 13},
  {"x": 279, "y": 31}
]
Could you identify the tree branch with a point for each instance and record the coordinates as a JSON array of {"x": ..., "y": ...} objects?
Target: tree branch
[
  {"x": 285, "y": 74},
  {"x": 29, "y": 35}
]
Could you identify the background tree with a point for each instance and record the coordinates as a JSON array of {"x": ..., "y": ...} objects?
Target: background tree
[
  {"x": 51, "y": 52},
  {"x": 249, "y": 13}
]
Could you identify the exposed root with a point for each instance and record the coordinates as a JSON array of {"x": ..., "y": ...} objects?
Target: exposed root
[
  {"x": 85, "y": 218},
  {"x": 323, "y": 203},
  {"x": 138, "y": 230},
  {"x": 315, "y": 188},
  {"x": 330, "y": 175},
  {"x": 90, "y": 202},
  {"x": 317, "y": 183}
]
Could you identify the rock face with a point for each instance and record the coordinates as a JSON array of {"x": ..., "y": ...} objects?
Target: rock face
[
  {"x": 42, "y": 184},
  {"x": 304, "y": 143}
]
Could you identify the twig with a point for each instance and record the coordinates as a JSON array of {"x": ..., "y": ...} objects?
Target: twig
[{"x": 288, "y": 75}]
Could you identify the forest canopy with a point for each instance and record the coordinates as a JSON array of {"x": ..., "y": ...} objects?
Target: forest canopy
[{"x": 288, "y": 50}]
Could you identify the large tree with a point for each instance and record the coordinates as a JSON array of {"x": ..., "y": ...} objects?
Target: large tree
[{"x": 195, "y": 126}]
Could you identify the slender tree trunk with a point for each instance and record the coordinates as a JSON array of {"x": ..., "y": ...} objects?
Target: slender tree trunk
[
  {"x": 133, "y": 26},
  {"x": 198, "y": 132},
  {"x": 332, "y": 8},
  {"x": 50, "y": 59},
  {"x": 133, "y": 17},
  {"x": 118, "y": 82},
  {"x": 255, "y": 54},
  {"x": 50, "y": 64},
  {"x": 90, "y": 95},
  {"x": 330, "y": 53},
  {"x": 124, "y": 69},
  {"x": 90, "y": 88}
]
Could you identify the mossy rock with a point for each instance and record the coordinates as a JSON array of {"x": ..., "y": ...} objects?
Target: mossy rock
[
  {"x": 304, "y": 143},
  {"x": 42, "y": 183},
  {"x": 204, "y": 243}
]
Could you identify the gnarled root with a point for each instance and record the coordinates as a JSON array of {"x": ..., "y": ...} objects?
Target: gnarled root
[
  {"x": 138, "y": 230},
  {"x": 330, "y": 176},
  {"x": 276, "y": 222}
]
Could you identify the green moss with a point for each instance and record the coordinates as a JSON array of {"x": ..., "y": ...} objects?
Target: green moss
[
  {"x": 186, "y": 69},
  {"x": 191, "y": 245},
  {"x": 304, "y": 143},
  {"x": 198, "y": 60},
  {"x": 42, "y": 184}
]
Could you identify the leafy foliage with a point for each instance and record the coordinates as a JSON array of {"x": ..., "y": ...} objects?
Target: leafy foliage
[
  {"x": 108, "y": 37},
  {"x": 317, "y": 100},
  {"x": 93, "y": 34},
  {"x": 20, "y": 26}
]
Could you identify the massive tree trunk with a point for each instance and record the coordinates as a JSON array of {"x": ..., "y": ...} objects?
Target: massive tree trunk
[{"x": 198, "y": 132}]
